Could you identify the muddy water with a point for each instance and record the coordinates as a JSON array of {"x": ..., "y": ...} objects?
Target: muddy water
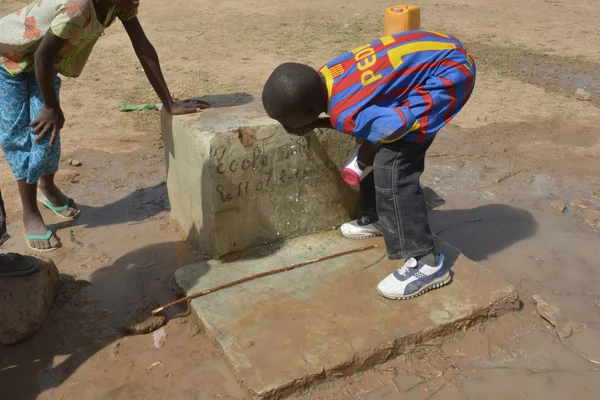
[{"x": 564, "y": 75}]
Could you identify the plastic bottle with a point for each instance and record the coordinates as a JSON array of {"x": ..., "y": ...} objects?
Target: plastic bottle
[
  {"x": 352, "y": 174},
  {"x": 401, "y": 19}
]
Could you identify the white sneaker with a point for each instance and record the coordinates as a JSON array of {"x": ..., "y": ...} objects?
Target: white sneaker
[
  {"x": 414, "y": 279},
  {"x": 362, "y": 228}
]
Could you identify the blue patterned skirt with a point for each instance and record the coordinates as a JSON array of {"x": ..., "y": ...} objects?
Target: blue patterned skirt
[{"x": 20, "y": 103}]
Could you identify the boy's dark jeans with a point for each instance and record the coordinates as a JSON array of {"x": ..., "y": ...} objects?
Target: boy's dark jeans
[{"x": 393, "y": 194}]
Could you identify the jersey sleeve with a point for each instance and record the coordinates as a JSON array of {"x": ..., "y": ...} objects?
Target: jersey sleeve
[
  {"x": 383, "y": 124},
  {"x": 127, "y": 15},
  {"x": 71, "y": 18}
]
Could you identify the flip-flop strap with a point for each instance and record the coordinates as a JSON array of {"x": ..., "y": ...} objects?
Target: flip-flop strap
[
  {"x": 47, "y": 236},
  {"x": 61, "y": 208}
]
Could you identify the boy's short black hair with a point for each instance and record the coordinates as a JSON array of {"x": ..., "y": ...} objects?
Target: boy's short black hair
[{"x": 291, "y": 89}]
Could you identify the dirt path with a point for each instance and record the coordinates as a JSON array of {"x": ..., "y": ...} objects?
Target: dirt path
[{"x": 523, "y": 141}]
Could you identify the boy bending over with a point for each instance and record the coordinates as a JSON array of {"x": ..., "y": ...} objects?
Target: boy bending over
[{"x": 395, "y": 94}]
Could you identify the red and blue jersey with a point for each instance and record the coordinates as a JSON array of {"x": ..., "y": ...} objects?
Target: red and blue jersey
[{"x": 405, "y": 86}]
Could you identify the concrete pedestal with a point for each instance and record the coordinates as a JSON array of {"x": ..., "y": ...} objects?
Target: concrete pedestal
[{"x": 236, "y": 178}]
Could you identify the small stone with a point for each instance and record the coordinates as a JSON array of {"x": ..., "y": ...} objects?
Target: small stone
[
  {"x": 582, "y": 95},
  {"x": 25, "y": 302},
  {"x": 559, "y": 206},
  {"x": 75, "y": 163}
]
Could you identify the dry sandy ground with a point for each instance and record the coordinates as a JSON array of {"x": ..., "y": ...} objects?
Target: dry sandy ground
[{"x": 523, "y": 141}]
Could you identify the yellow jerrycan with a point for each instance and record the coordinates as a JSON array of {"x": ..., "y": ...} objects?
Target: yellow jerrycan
[{"x": 401, "y": 19}]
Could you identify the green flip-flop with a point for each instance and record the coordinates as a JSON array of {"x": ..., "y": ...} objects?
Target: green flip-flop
[
  {"x": 46, "y": 237},
  {"x": 57, "y": 210}
]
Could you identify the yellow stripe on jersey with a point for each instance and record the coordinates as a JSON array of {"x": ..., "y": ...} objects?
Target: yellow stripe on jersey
[
  {"x": 396, "y": 54},
  {"x": 415, "y": 127},
  {"x": 439, "y": 34},
  {"x": 326, "y": 72},
  {"x": 387, "y": 40}
]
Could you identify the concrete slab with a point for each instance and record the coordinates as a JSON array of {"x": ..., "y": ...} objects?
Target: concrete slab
[
  {"x": 296, "y": 329},
  {"x": 236, "y": 179}
]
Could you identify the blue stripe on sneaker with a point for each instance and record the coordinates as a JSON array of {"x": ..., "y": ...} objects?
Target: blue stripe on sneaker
[{"x": 417, "y": 285}]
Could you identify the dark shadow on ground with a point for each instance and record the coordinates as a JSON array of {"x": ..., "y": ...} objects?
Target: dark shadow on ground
[
  {"x": 480, "y": 232},
  {"x": 87, "y": 317},
  {"x": 138, "y": 206}
]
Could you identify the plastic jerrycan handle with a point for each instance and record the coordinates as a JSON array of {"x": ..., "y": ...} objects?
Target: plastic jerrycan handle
[{"x": 401, "y": 19}]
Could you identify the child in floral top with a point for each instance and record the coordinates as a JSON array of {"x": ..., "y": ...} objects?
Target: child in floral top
[{"x": 38, "y": 42}]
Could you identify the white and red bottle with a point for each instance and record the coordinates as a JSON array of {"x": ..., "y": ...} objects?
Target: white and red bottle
[{"x": 352, "y": 174}]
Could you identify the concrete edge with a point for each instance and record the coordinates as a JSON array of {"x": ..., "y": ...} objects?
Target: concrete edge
[{"x": 365, "y": 359}]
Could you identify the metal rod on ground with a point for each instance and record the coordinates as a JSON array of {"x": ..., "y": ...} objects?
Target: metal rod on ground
[{"x": 262, "y": 274}]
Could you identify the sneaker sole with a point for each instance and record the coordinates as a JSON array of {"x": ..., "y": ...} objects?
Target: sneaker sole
[
  {"x": 438, "y": 283},
  {"x": 362, "y": 236}
]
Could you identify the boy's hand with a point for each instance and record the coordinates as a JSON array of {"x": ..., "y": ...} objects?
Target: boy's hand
[
  {"x": 50, "y": 120},
  {"x": 366, "y": 154},
  {"x": 186, "y": 107}
]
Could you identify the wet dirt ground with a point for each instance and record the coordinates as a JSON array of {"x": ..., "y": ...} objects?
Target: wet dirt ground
[{"x": 523, "y": 142}]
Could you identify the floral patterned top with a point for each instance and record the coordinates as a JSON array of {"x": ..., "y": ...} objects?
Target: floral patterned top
[{"x": 74, "y": 20}]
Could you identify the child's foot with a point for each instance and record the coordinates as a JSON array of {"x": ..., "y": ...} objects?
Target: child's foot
[
  {"x": 362, "y": 228},
  {"x": 37, "y": 233},
  {"x": 414, "y": 279},
  {"x": 54, "y": 199}
]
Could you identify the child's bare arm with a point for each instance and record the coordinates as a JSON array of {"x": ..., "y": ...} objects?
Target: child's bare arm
[
  {"x": 149, "y": 60},
  {"x": 50, "y": 119}
]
